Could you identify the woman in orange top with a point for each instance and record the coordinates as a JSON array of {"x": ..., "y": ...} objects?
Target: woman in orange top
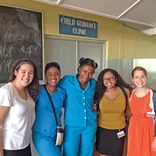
[{"x": 141, "y": 140}]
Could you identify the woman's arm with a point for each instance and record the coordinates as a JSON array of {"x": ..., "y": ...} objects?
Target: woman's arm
[
  {"x": 1, "y": 143},
  {"x": 128, "y": 111},
  {"x": 3, "y": 113}
]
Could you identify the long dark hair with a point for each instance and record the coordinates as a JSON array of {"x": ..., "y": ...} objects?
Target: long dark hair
[
  {"x": 34, "y": 85},
  {"x": 100, "y": 88}
]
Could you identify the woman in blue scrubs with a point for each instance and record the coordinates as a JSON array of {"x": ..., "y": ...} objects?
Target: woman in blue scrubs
[
  {"x": 44, "y": 128},
  {"x": 80, "y": 118}
]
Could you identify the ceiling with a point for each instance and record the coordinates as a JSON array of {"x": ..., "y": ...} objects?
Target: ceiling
[{"x": 137, "y": 14}]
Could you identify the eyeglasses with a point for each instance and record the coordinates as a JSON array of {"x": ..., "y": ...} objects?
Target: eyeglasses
[{"x": 110, "y": 79}]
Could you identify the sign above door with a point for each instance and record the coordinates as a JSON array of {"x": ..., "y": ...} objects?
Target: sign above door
[{"x": 77, "y": 27}]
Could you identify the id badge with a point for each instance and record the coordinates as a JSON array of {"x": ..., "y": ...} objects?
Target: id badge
[
  {"x": 120, "y": 134},
  {"x": 151, "y": 114}
]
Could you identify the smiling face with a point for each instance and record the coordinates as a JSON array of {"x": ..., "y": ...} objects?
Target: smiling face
[
  {"x": 139, "y": 78},
  {"x": 85, "y": 73},
  {"x": 109, "y": 80},
  {"x": 24, "y": 75},
  {"x": 52, "y": 76}
]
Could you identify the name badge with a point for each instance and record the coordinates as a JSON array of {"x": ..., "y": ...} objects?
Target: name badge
[
  {"x": 120, "y": 134},
  {"x": 151, "y": 114}
]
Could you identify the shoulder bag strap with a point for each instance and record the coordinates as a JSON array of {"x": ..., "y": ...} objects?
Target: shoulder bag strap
[
  {"x": 52, "y": 104},
  {"x": 125, "y": 94},
  {"x": 154, "y": 104},
  {"x": 154, "y": 99}
]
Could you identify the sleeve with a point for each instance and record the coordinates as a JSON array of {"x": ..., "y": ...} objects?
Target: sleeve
[
  {"x": 64, "y": 101},
  {"x": 63, "y": 82},
  {"x": 5, "y": 97},
  {"x": 64, "y": 97}
]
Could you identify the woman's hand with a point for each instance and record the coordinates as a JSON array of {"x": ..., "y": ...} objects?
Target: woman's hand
[
  {"x": 95, "y": 107},
  {"x": 1, "y": 140},
  {"x": 1, "y": 152},
  {"x": 1, "y": 145},
  {"x": 154, "y": 145}
]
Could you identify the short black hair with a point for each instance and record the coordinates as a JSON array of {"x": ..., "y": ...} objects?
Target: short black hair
[{"x": 52, "y": 65}]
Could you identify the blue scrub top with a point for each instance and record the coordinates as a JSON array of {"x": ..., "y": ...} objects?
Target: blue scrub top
[
  {"x": 45, "y": 121},
  {"x": 79, "y": 102}
]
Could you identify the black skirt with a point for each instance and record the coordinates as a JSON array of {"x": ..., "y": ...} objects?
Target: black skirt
[
  {"x": 23, "y": 152},
  {"x": 108, "y": 143}
]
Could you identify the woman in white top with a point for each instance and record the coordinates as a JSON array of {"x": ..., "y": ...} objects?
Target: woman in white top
[{"x": 17, "y": 102}]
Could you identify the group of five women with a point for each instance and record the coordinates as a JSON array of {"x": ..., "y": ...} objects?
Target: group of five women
[{"x": 91, "y": 108}]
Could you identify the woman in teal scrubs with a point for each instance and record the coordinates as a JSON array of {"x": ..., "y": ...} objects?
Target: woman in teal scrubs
[
  {"x": 44, "y": 128},
  {"x": 80, "y": 118}
]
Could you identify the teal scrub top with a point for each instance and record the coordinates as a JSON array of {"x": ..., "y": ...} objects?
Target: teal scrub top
[
  {"x": 45, "y": 122},
  {"x": 79, "y": 102}
]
